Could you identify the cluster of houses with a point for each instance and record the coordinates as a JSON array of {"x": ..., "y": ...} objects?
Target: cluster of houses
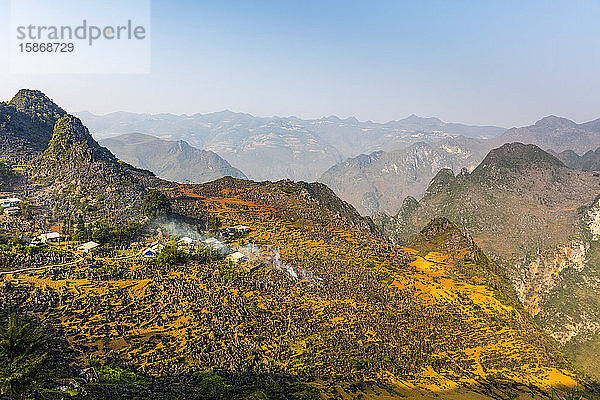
[
  {"x": 185, "y": 243},
  {"x": 55, "y": 238},
  {"x": 44, "y": 239},
  {"x": 10, "y": 205}
]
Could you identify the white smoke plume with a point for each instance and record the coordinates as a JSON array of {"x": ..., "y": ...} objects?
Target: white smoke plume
[
  {"x": 277, "y": 263},
  {"x": 174, "y": 227}
]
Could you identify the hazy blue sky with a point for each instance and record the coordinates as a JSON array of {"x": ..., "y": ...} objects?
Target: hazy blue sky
[{"x": 487, "y": 62}]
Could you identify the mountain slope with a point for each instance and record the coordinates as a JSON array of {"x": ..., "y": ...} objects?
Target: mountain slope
[
  {"x": 282, "y": 147},
  {"x": 441, "y": 236},
  {"x": 536, "y": 217},
  {"x": 86, "y": 177},
  {"x": 327, "y": 303},
  {"x": 379, "y": 181},
  {"x": 171, "y": 160},
  {"x": 557, "y": 134}
]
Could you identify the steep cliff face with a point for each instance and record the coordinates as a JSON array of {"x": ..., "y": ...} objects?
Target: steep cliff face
[
  {"x": 534, "y": 279},
  {"x": 592, "y": 219}
]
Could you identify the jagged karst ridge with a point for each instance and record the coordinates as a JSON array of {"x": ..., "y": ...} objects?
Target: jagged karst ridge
[{"x": 380, "y": 181}]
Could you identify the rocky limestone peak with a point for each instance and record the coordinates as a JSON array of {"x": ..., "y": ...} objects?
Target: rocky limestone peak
[
  {"x": 183, "y": 146},
  {"x": 440, "y": 181},
  {"x": 515, "y": 157},
  {"x": 440, "y": 227},
  {"x": 442, "y": 235},
  {"x": 38, "y": 106},
  {"x": 408, "y": 205}
]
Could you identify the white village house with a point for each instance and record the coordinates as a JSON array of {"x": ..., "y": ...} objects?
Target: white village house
[
  {"x": 9, "y": 202},
  {"x": 12, "y": 211},
  {"x": 213, "y": 243},
  {"x": 186, "y": 241},
  {"x": 86, "y": 247},
  {"x": 236, "y": 257},
  {"x": 52, "y": 237}
]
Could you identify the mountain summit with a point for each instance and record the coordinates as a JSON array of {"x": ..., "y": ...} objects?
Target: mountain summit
[
  {"x": 442, "y": 235},
  {"x": 552, "y": 121},
  {"x": 513, "y": 157},
  {"x": 72, "y": 143},
  {"x": 26, "y": 125},
  {"x": 38, "y": 106}
]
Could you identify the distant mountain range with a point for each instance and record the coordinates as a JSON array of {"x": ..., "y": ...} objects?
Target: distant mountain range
[
  {"x": 373, "y": 166},
  {"x": 171, "y": 160},
  {"x": 380, "y": 181},
  {"x": 276, "y": 148}
]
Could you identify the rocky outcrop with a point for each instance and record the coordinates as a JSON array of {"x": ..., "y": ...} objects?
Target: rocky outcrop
[
  {"x": 535, "y": 279},
  {"x": 26, "y": 125},
  {"x": 86, "y": 177}
]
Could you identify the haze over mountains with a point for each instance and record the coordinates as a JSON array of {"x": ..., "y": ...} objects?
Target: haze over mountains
[
  {"x": 373, "y": 166},
  {"x": 322, "y": 306},
  {"x": 380, "y": 181},
  {"x": 556, "y": 134},
  {"x": 276, "y": 148}
]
